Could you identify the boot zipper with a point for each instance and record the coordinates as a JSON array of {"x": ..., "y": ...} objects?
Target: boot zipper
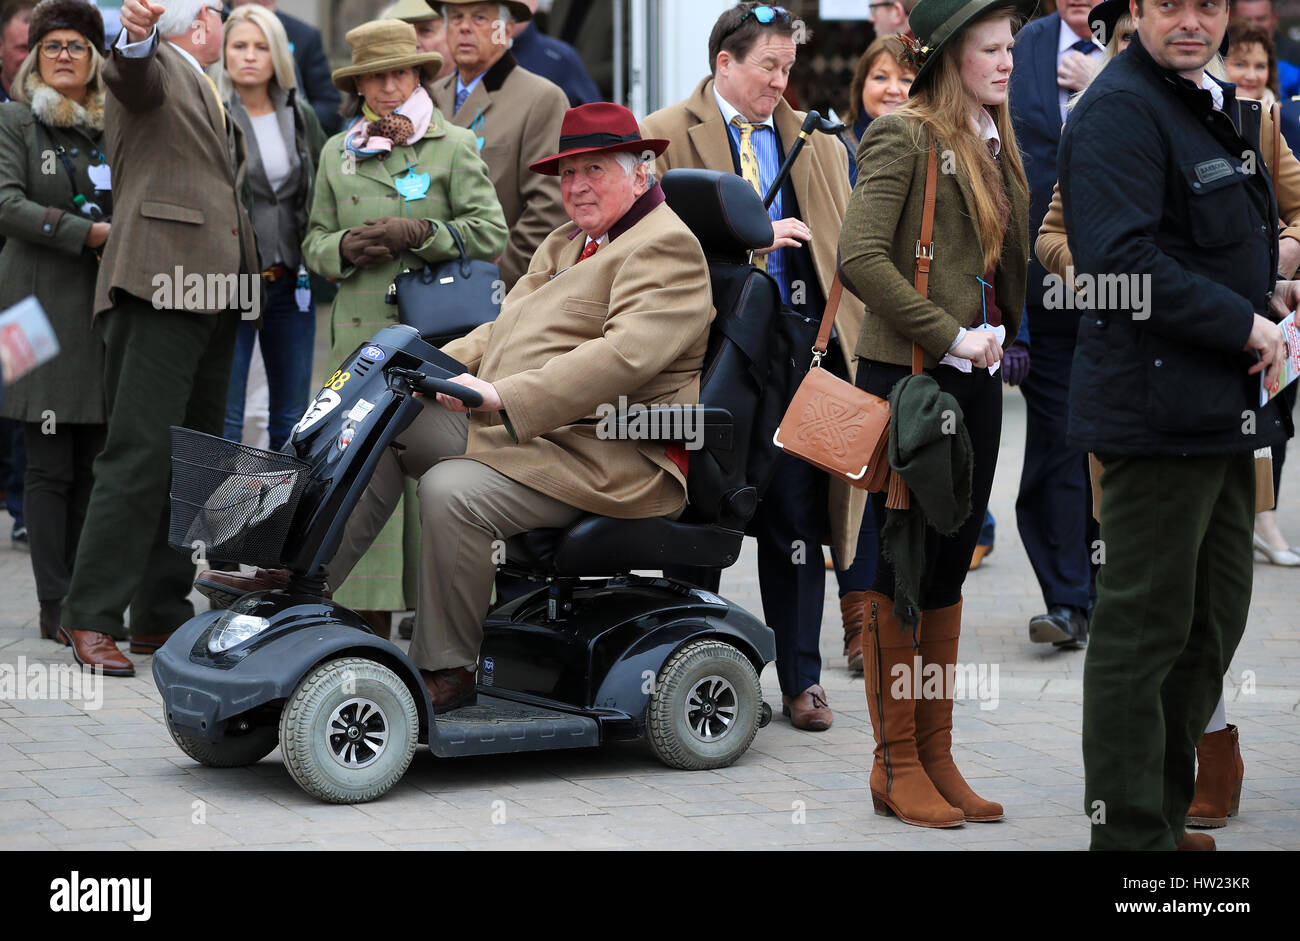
[{"x": 874, "y": 627}]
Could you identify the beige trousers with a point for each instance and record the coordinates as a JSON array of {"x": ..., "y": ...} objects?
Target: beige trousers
[{"x": 467, "y": 510}]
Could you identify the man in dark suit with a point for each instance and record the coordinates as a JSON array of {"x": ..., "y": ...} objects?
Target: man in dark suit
[
  {"x": 1054, "y": 58},
  {"x": 313, "y": 67},
  {"x": 181, "y": 242},
  {"x": 737, "y": 121},
  {"x": 553, "y": 59}
]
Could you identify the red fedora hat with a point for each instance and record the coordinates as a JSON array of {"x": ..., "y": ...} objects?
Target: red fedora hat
[{"x": 599, "y": 127}]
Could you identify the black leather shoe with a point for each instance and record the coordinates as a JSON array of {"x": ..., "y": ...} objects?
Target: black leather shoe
[{"x": 1063, "y": 626}]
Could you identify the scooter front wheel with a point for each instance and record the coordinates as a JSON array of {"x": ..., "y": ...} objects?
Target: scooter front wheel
[
  {"x": 233, "y": 751},
  {"x": 705, "y": 708},
  {"x": 349, "y": 731}
]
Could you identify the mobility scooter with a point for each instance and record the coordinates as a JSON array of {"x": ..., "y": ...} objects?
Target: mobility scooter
[{"x": 596, "y": 653}]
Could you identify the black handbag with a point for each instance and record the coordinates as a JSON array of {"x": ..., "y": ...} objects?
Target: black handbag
[{"x": 447, "y": 300}]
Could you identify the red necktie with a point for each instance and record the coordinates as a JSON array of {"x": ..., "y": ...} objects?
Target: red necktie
[{"x": 589, "y": 251}]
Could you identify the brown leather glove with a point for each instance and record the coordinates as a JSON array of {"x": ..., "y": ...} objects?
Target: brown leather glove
[
  {"x": 399, "y": 235},
  {"x": 362, "y": 246}
]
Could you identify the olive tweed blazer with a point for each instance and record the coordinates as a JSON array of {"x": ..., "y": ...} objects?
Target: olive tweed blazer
[{"x": 879, "y": 240}]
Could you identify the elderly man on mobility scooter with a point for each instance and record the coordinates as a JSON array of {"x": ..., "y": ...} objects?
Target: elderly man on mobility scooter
[{"x": 615, "y": 303}]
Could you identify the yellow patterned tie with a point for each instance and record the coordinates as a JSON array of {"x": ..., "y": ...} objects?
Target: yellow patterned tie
[
  {"x": 749, "y": 167},
  {"x": 217, "y": 95}
]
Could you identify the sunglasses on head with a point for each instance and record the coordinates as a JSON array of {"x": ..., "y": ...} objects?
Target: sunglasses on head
[{"x": 764, "y": 14}]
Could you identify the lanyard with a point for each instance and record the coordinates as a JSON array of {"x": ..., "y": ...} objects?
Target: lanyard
[{"x": 78, "y": 199}]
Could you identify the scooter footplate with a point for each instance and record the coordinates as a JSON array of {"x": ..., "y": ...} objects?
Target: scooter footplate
[{"x": 497, "y": 726}]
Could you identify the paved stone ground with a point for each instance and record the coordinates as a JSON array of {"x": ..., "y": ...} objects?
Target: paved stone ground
[{"x": 72, "y": 778}]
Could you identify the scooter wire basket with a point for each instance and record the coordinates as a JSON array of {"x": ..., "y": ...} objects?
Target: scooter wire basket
[{"x": 230, "y": 502}]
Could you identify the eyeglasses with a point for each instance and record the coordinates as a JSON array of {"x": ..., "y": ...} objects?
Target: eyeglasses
[
  {"x": 54, "y": 49},
  {"x": 222, "y": 11}
]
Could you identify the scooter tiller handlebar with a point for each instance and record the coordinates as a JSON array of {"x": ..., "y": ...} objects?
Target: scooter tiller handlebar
[{"x": 419, "y": 382}]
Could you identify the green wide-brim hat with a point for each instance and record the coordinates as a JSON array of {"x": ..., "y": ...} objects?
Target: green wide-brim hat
[
  {"x": 520, "y": 11},
  {"x": 411, "y": 11},
  {"x": 935, "y": 22},
  {"x": 381, "y": 46}
]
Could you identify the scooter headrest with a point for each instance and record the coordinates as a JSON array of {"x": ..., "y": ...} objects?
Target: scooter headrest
[{"x": 721, "y": 209}]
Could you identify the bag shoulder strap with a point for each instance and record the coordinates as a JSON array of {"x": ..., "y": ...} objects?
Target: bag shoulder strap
[
  {"x": 1275, "y": 113},
  {"x": 921, "y": 279},
  {"x": 925, "y": 245}
]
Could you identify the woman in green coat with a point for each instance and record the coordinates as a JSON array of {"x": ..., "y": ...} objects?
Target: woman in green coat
[
  {"x": 54, "y": 209},
  {"x": 957, "y": 116},
  {"x": 387, "y": 189}
]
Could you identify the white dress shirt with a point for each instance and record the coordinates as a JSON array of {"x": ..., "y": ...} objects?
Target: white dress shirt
[
  {"x": 139, "y": 50},
  {"x": 1065, "y": 40}
]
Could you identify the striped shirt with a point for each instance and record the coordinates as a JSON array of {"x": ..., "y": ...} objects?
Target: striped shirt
[{"x": 769, "y": 157}]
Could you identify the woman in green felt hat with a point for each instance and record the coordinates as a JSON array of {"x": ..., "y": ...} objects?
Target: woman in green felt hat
[{"x": 957, "y": 110}]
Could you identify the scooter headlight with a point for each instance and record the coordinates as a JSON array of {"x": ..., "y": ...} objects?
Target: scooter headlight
[{"x": 232, "y": 629}]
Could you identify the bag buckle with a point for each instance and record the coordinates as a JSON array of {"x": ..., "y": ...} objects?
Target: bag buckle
[
  {"x": 925, "y": 252},
  {"x": 816, "y": 358}
]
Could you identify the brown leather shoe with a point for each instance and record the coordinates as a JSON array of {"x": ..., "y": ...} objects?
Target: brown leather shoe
[
  {"x": 851, "y": 608},
  {"x": 148, "y": 644},
  {"x": 1196, "y": 843},
  {"x": 1219, "y": 771},
  {"x": 808, "y": 710},
  {"x": 225, "y": 588},
  {"x": 93, "y": 649},
  {"x": 450, "y": 689}
]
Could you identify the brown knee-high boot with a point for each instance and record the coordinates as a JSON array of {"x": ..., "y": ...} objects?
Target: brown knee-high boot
[
  {"x": 940, "y": 628},
  {"x": 899, "y": 784}
]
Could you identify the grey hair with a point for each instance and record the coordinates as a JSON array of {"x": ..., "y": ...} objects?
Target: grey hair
[
  {"x": 628, "y": 161},
  {"x": 180, "y": 15}
]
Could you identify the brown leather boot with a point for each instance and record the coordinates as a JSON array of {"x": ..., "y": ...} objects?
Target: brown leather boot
[
  {"x": 899, "y": 784},
  {"x": 940, "y": 628},
  {"x": 1219, "y": 772},
  {"x": 852, "y": 608},
  {"x": 1196, "y": 843},
  {"x": 93, "y": 649}
]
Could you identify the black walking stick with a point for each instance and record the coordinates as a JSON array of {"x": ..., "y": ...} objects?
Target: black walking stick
[{"x": 813, "y": 122}]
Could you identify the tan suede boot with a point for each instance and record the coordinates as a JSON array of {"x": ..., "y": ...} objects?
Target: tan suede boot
[
  {"x": 940, "y": 628},
  {"x": 1219, "y": 772},
  {"x": 899, "y": 784},
  {"x": 852, "y": 610}
]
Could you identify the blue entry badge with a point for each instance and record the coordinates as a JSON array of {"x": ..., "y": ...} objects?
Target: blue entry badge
[
  {"x": 476, "y": 127},
  {"x": 412, "y": 185}
]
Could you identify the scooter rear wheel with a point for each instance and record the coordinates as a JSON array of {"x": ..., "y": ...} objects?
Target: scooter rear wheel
[
  {"x": 349, "y": 731},
  {"x": 705, "y": 708}
]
